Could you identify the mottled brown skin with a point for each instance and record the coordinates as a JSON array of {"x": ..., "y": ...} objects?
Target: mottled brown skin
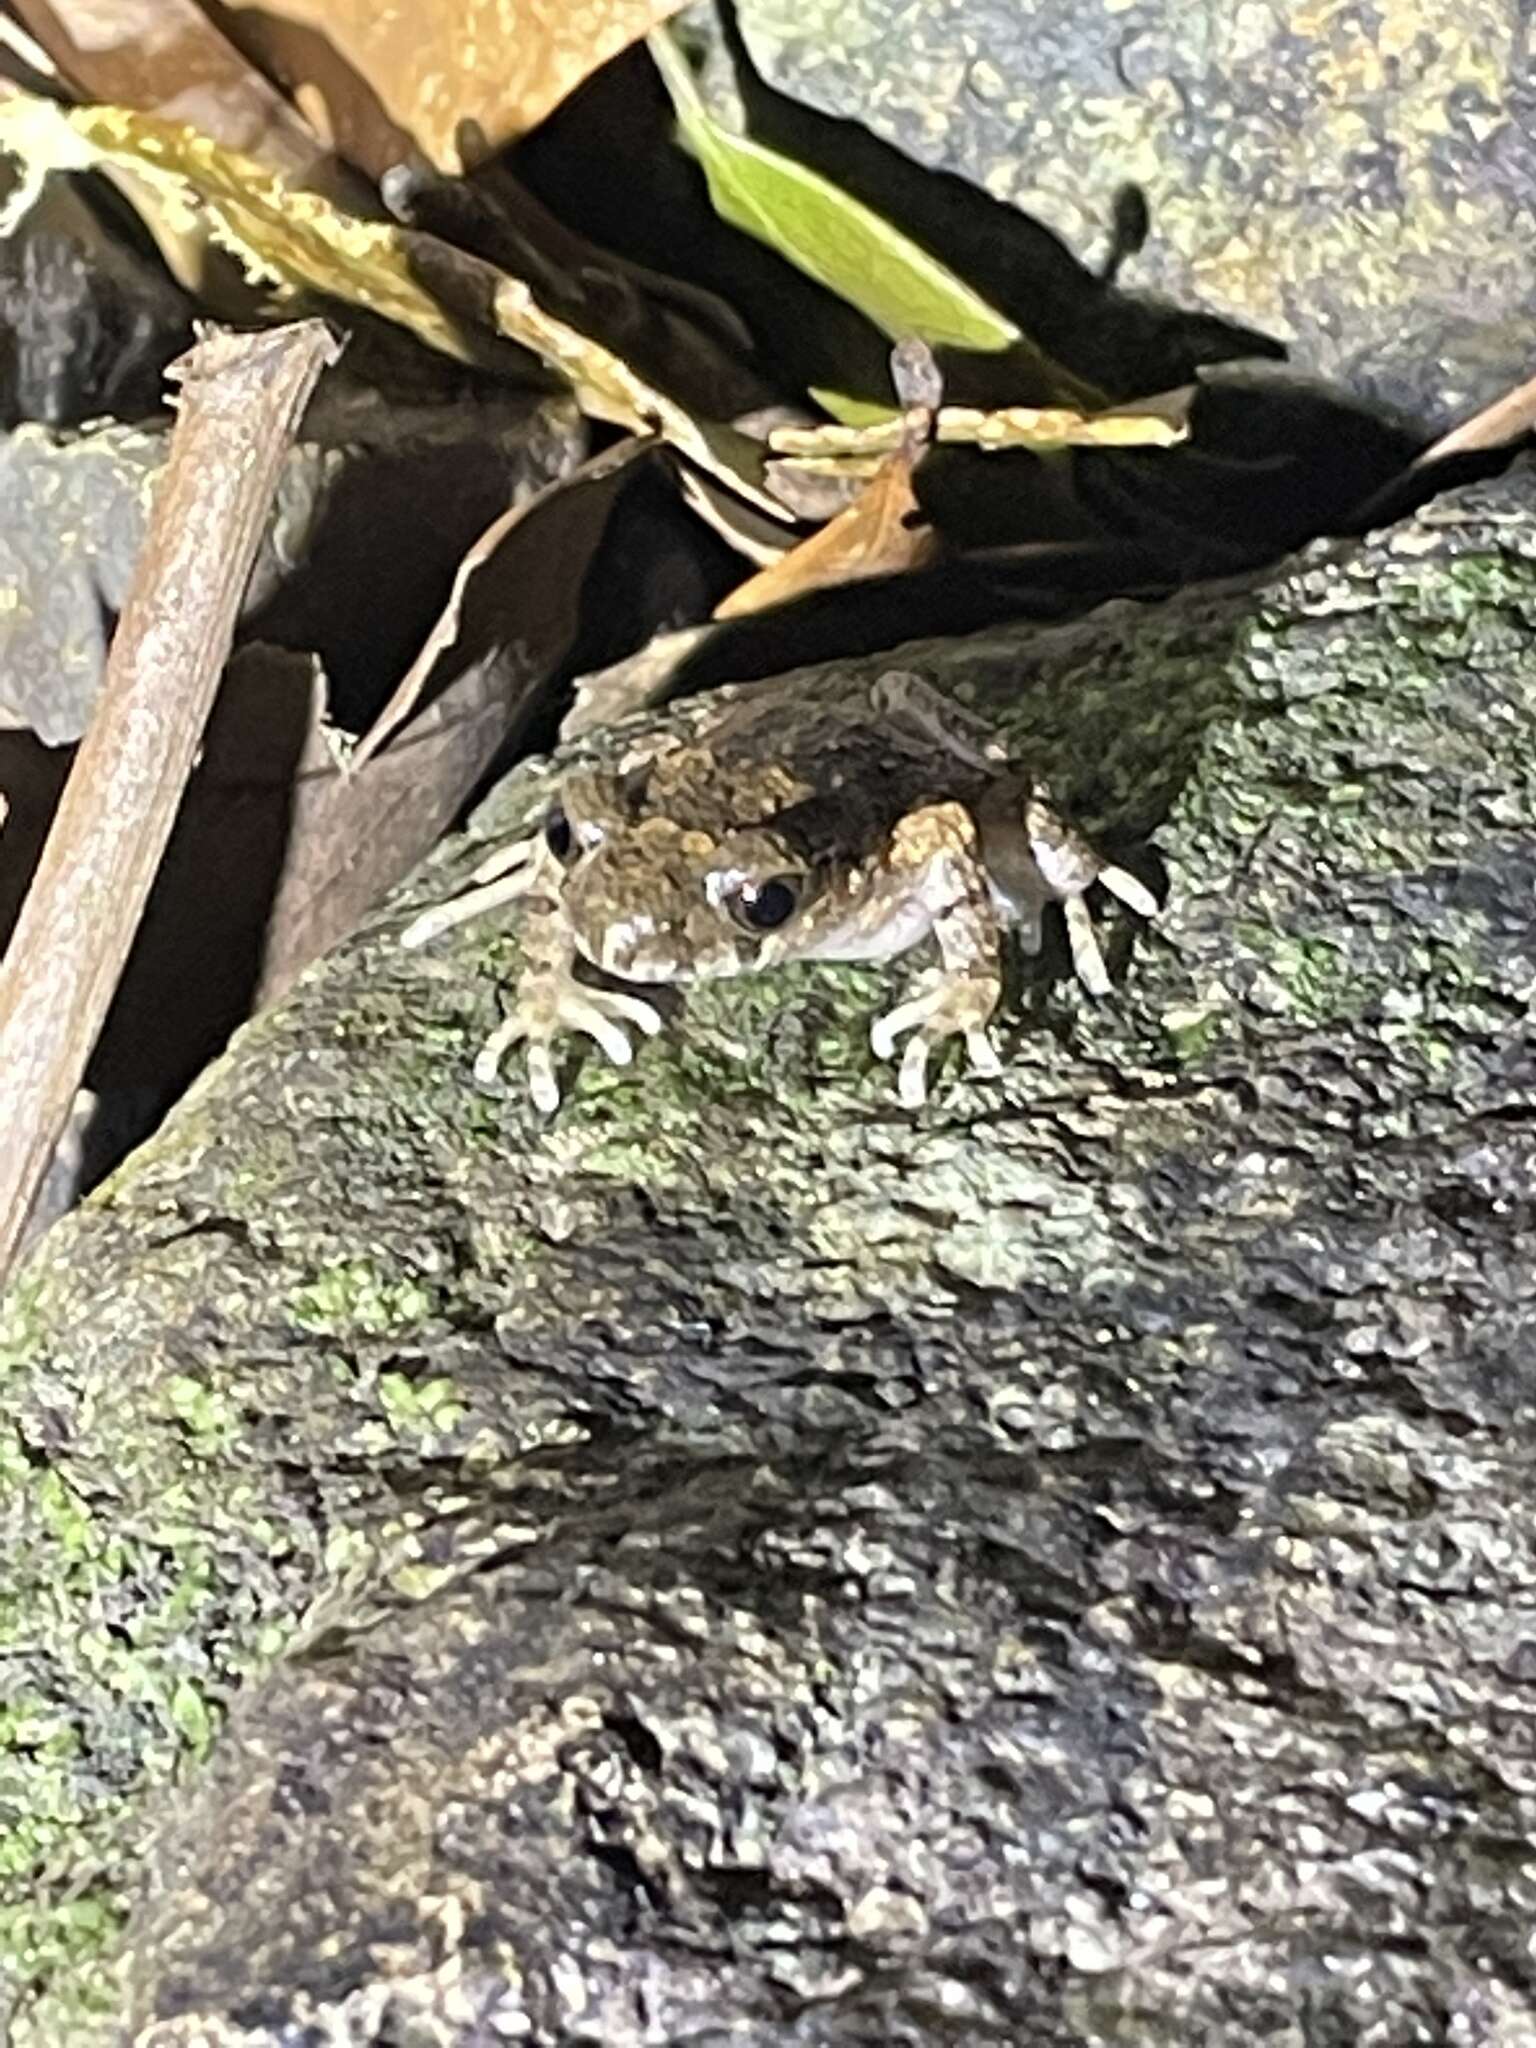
[{"x": 789, "y": 828}]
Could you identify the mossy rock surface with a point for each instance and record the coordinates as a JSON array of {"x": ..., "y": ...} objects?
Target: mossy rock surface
[{"x": 740, "y": 1561}]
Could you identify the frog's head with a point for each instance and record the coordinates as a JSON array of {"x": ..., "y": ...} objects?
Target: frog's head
[{"x": 650, "y": 899}]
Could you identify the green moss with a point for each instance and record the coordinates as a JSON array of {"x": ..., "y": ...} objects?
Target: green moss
[
  {"x": 24, "y": 1316},
  {"x": 207, "y": 1415},
  {"x": 64, "y": 1514},
  {"x": 1466, "y": 586},
  {"x": 429, "y": 1407},
  {"x": 355, "y": 1297},
  {"x": 64, "y": 1946},
  {"x": 15, "y": 1466},
  {"x": 1193, "y": 1030},
  {"x": 190, "y": 1717}
]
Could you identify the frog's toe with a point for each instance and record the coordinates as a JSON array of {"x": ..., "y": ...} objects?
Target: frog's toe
[
  {"x": 602, "y": 1015},
  {"x": 544, "y": 1012},
  {"x": 912, "y": 1077},
  {"x": 946, "y": 1009},
  {"x": 1133, "y": 894},
  {"x": 635, "y": 1010},
  {"x": 543, "y": 1082},
  {"x": 888, "y": 1027},
  {"x": 1087, "y": 960},
  {"x": 512, "y": 858},
  {"x": 984, "y": 1054},
  {"x": 508, "y": 874},
  {"x": 495, "y": 1049}
]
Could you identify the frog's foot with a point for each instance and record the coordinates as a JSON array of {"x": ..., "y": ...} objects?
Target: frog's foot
[
  {"x": 550, "y": 1004},
  {"x": 945, "y": 1006},
  {"x": 508, "y": 873},
  {"x": 1068, "y": 867}
]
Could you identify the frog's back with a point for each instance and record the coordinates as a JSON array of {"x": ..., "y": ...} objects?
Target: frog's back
[{"x": 832, "y": 774}]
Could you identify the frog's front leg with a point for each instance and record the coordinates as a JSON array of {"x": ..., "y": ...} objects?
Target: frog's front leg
[
  {"x": 549, "y": 1001},
  {"x": 936, "y": 852}
]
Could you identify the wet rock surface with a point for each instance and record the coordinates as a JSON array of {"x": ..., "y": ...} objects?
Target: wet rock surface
[{"x": 740, "y": 1562}]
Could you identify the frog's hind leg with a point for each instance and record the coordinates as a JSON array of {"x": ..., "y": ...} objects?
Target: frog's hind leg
[{"x": 1067, "y": 867}]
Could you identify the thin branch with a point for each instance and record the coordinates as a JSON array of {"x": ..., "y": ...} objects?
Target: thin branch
[{"x": 242, "y": 397}]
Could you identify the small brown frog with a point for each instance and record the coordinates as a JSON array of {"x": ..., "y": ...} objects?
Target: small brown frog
[{"x": 789, "y": 828}]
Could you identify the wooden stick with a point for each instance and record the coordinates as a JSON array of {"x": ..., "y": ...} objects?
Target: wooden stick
[{"x": 242, "y": 396}]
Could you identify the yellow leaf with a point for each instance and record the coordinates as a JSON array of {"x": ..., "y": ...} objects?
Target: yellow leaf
[
  {"x": 853, "y": 448},
  {"x": 281, "y": 237},
  {"x": 297, "y": 241}
]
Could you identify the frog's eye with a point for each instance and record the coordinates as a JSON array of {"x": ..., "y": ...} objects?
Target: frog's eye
[
  {"x": 764, "y": 906},
  {"x": 557, "y": 833}
]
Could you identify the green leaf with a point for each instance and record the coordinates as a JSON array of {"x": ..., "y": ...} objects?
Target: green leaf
[
  {"x": 825, "y": 232},
  {"x": 852, "y": 412}
]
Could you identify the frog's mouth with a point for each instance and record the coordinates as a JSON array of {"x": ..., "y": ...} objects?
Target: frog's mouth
[
  {"x": 639, "y": 947},
  {"x": 650, "y": 952}
]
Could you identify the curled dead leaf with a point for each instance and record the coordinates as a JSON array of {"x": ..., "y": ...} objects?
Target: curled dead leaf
[{"x": 883, "y": 532}]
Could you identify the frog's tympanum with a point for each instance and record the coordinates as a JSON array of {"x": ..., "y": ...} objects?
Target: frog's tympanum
[{"x": 790, "y": 828}]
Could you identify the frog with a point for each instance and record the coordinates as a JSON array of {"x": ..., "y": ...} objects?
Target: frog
[{"x": 786, "y": 826}]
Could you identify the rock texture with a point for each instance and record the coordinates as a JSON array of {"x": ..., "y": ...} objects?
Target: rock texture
[
  {"x": 1353, "y": 178},
  {"x": 740, "y": 1563}
]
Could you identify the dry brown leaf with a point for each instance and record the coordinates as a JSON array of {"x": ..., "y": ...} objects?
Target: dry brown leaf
[
  {"x": 483, "y": 674},
  {"x": 760, "y": 539},
  {"x": 879, "y": 534},
  {"x": 460, "y": 78},
  {"x": 516, "y": 597},
  {"x": 635, "y": 683},
  {"x": 1499, "y": 425},
  {"x": 882, "y": 533},
  {"x": 23, "y": 59}
]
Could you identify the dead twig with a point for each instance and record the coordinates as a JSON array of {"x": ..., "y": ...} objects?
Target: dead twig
[{"x": 242, "y": 396}]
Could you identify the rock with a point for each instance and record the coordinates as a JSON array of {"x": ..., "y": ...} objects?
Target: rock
[
  {"x": 739, "y": 1562},
  {"x": 1353, "y": 180}
]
